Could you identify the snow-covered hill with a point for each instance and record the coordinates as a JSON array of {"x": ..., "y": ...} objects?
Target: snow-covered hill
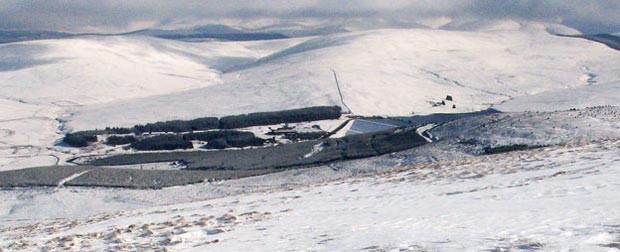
[
  {"x": 386, "y": 72},
  {"x": 98, "y": 69}
]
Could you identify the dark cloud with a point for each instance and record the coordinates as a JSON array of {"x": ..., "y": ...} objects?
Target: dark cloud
[{"x": 592, "y": 16}]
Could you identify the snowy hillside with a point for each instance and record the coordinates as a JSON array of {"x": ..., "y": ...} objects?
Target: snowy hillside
[
  {"x": 97, "y": 69},
  {"x": 438, "y": 197},
  {"x": 386, "y": 72},
  {"x": 553, "y": 199},
  {"x": 564, "y": 99},
  {"x": 44, "y": 80}
]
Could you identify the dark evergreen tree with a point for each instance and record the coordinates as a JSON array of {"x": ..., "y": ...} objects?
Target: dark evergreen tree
[
  {"x": 79, "y": 139},
  {"x": 211, "y": 135},
  {"x": 276, "y": 117},
  {"x": 162, "y": 142},
  {"x": 120, "y": 140},
  {"x": 177, "y": 126}
]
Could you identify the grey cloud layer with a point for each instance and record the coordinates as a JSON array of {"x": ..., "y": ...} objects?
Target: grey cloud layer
[{"x": 589, "y": 16}]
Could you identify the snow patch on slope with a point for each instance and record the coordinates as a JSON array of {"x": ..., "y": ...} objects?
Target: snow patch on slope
[{"x": 578, "y": 98}]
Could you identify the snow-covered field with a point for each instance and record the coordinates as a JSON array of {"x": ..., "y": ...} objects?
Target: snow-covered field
[{"x": 552, "y": 199}]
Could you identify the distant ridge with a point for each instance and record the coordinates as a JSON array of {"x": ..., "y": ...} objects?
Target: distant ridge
[
  {"x": 220, "y": 32},
  {"x": 18, "y": 36},
  {"x": 217, "y": 32},
  {"x": 609, "y": 40}
]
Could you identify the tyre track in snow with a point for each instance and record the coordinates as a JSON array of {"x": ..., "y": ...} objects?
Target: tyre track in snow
[
  {"x": 72, "y": 177},
  {"x": 459, "y": 84}
]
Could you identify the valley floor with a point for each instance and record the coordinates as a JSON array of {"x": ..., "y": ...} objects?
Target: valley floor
[{"x": 552, "y": 199}]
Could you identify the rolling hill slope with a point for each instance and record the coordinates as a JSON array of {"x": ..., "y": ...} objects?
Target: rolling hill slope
[
  {"x": 94, "y": 69},
  {"x": 385, "y": 72}
]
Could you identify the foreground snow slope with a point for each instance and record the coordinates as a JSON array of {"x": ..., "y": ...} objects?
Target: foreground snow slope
[
  {"x": 460, "y": 139},
  {"x": 386, "y": 72},
  {"x": 552, "y": 199}
]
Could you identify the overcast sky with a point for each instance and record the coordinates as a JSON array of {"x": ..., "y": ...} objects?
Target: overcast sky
[{"x": 589, "y": 16}]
